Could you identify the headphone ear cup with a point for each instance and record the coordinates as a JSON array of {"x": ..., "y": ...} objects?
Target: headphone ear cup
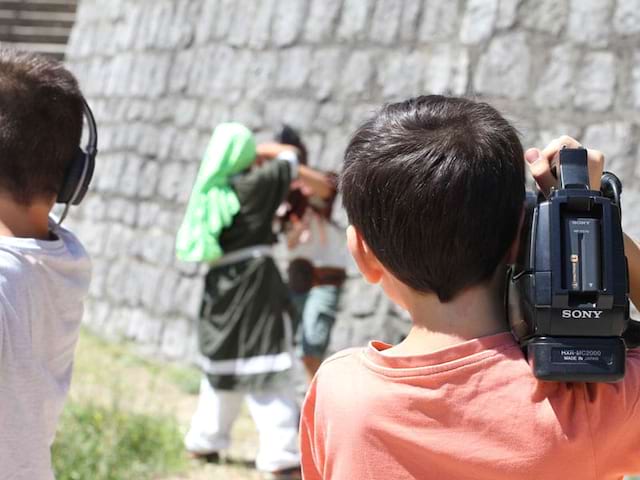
[
  {"x": 83, "y": 186},
  {"x": 73, "y": 182}
]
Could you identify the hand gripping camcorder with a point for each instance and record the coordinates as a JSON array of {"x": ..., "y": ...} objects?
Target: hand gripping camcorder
[{"x": 567, "y": 295}]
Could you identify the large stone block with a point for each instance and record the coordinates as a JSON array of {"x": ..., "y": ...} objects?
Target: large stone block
[
  {"x": 547, "y": 16},
  {"x": 588, "y": 22},
  {"x": 288, "y": 21},
  {"x": 617, "y": 141},
  {"x": 386, "y": 21},
  {"x": 410, "y": 20},
  {"x": 400, "y": 74},
  {"x": 626, "y": 19},
  {"x": 294, "y": 68},
  {"x": 261, "y": 74},
  {"x": 224, "y": 18},
  {"x": 261, "y": 29},
  {"x": 504, "y": 69},
  {"x": 330, "y": 114},
  {"x": 507, "y": 13},
  {"x": 131, "y": 175},
  {"x": 447, "y": 70},
  {"x": 635, "y": 79},
  {"x": 322, "y": 19},
  {"x": 556, "y": 86},
  {"x": 596, "y": 81},
  {"x": 479, "y": 21},
  {"x": 206, "y": 26},
  {"x": 293, "y": 110},
  {"x": 439, "y": 20},
  {"x": 145, "y": 329},
  {"x": 176, "y": 331},
  {"x": 242, "y": 24},
  {"x": 357, "y": 74},
  {"x": 325, "y": 71},
  {"x": 188, "y": 296},
  {"x": 354, "y": 19},
  {"x": 336, "y": 141}
]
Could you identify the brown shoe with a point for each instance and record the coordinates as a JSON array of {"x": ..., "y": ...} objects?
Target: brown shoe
[
  {"x": 294, "y": 473},
  {"x": 211, "y": 457}
]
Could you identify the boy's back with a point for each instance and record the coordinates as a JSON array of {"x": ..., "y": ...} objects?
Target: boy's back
[
  {"x": 44, "y": 271},
  {"x": 42, "y": 287},
  {"x": 434, "y": 191},
  {"x": 471, "y": 411}
]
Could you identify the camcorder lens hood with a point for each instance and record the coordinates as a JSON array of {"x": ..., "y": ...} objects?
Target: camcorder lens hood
[{"x": 567, "y": 295}]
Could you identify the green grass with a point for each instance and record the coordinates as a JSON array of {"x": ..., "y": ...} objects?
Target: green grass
[
  {"x": 123, "y": 356},
  {"x": 107, "y": 443},
  {"x": 126, "y": 417}
]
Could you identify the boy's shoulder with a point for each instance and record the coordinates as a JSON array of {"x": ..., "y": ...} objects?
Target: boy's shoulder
[
  {"x": 342, "y": 358},
  {"x": 63, "y": 259},
  {"x": 339, "y": 365}
]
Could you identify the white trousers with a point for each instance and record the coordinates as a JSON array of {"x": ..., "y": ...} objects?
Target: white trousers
[{"x": 276, "y": 416}]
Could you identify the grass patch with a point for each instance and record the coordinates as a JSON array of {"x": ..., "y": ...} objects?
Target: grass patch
[
  {"x": 107, "y": 443},
  {"x": 98, "y": 358}
]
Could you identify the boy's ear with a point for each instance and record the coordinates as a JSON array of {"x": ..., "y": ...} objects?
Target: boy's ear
[
  {"x": 512, "y": 254},
  {"x": 368, "y": 264}
]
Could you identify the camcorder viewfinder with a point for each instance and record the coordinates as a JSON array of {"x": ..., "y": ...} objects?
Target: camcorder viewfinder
[{"x": 567, "y": 295}]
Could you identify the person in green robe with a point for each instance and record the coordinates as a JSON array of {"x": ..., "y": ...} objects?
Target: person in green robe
[{"x": 245, "y": 334}]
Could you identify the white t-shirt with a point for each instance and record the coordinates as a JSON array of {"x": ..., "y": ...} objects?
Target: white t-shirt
[
  {"x": 322, "y": 243},
  {"x": 42, "y": 288}
]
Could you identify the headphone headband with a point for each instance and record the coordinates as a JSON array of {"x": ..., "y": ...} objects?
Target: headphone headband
[
  {"x": 92, "y": 143},
  {"x": 78, "y": 175}
]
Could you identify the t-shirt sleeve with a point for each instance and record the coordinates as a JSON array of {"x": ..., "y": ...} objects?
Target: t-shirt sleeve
[
  {"x": 310, "y": 443},
  {"x": 614, "y": 415}
]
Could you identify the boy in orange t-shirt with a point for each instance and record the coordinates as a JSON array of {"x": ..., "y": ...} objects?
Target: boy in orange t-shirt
[{"x": 434, "y": 189}]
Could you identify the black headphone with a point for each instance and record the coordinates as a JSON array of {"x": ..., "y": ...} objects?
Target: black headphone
[{"x": 78, "y": 175}]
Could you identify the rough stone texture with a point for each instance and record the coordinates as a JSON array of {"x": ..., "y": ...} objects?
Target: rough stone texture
[
  {"x": 596, "y": 81},
  {"x": 626, "y": 20},
  {"x": 503, "y": 69},
  {"x": 588, "y": 22},
  {"x": 161, "y": 73},
  {"x": 478, "y": 21}
]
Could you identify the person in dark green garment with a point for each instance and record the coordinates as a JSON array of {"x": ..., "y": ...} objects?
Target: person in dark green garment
[{"x": 244, "y": 334}]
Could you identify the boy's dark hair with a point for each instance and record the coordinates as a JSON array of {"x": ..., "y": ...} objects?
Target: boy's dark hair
[
  {"x": 41, "y": 113},
  {"x": 435, "y": 185}
]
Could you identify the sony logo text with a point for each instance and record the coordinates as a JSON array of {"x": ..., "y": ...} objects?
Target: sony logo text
[{"x": 581, "y": 313}]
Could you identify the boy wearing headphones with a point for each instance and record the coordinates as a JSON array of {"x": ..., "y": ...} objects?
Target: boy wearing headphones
[
  {"x": 434, "y": 190},
  {"x": 44, "y": 270}
]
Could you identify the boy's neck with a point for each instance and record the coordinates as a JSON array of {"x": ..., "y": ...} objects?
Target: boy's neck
[
  {"x": 475, "y": 312},
  {"x": 24, "y": 221}
]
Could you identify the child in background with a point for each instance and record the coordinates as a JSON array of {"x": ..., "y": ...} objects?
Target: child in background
[
  {"x": 318, "y": 260},
  {"x": 434, "y": 191},
  {"x": 44, "y": 270}
]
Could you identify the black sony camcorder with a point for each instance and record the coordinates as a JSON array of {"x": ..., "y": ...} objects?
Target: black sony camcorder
[{"x": 567, "y": 295}]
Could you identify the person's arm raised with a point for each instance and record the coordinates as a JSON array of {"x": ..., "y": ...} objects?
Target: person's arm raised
[{"x": 317, "y": 181}]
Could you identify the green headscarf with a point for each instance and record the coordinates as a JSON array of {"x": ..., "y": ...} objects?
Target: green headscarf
[{"x": 213, "y": 203}]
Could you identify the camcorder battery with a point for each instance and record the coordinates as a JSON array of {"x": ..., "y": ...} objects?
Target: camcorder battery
[{"x": 582, "y": 254}]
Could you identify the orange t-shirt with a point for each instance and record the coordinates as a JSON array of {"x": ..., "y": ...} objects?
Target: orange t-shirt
[{"x": 471, "y": 411}]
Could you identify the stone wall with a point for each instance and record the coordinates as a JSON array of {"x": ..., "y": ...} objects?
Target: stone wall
[{"x": 161, "y": 73}]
